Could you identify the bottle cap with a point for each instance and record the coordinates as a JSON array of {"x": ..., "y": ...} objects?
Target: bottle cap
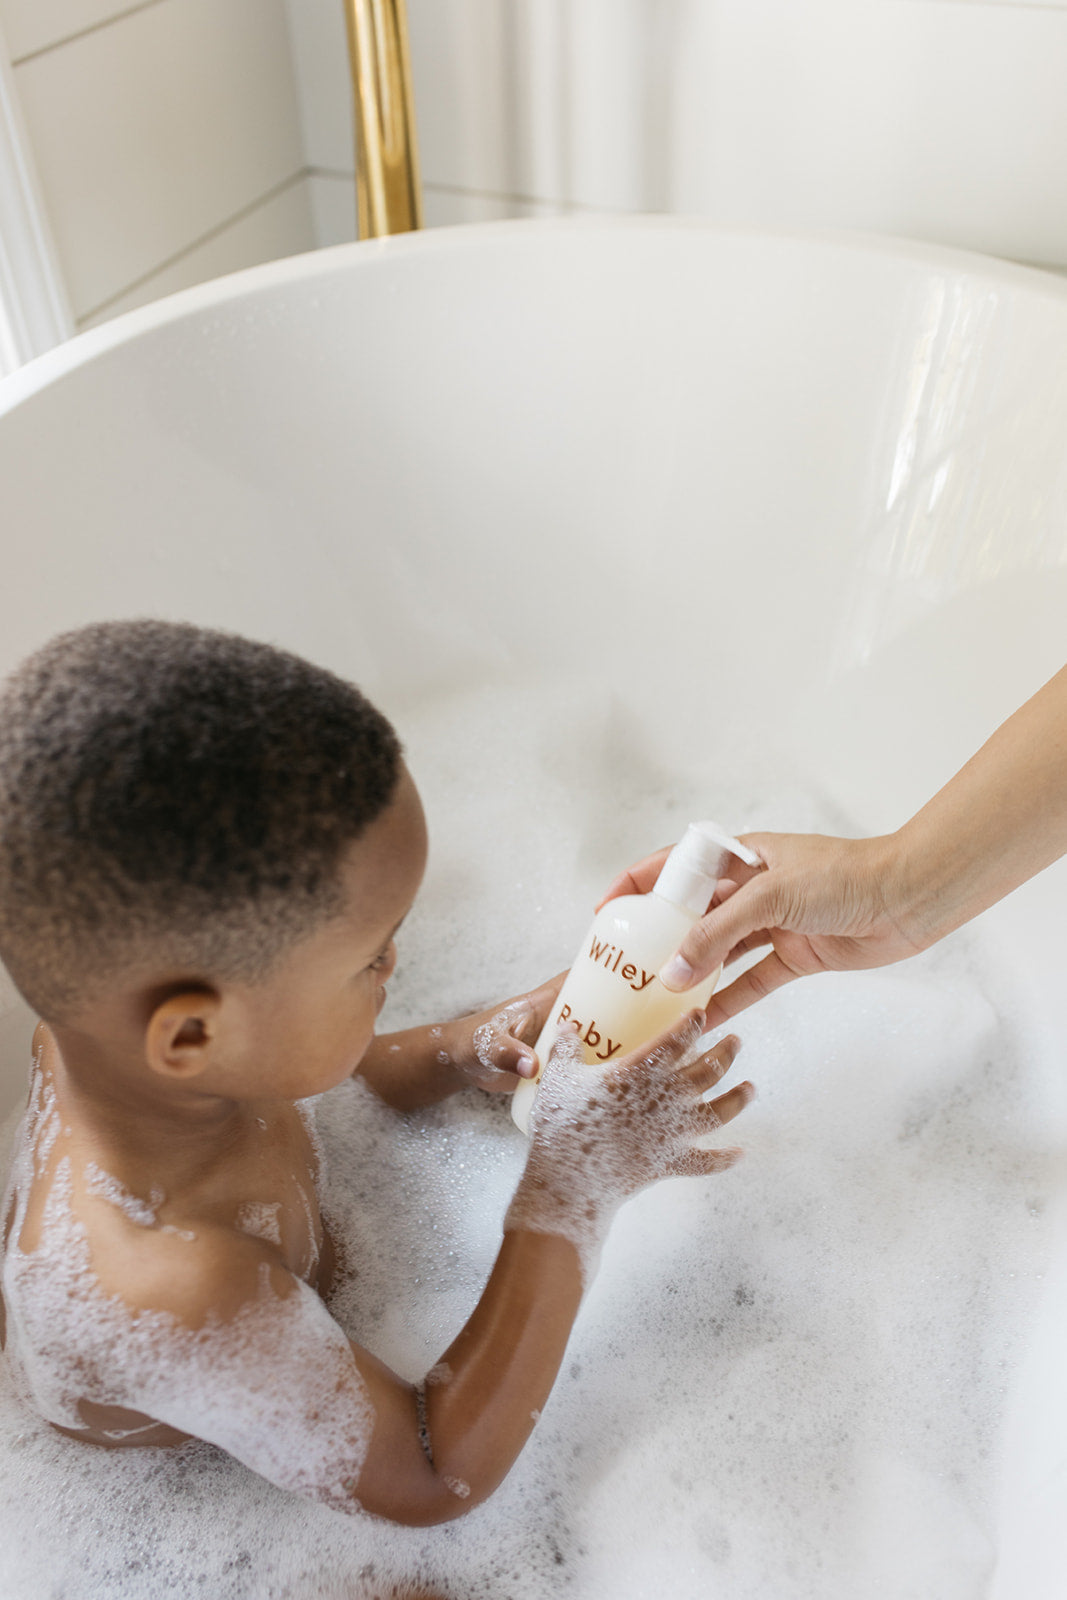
[{"x": 697, "y": 862}]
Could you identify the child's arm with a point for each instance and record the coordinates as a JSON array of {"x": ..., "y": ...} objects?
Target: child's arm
[
  {"x": 598, "y": 1137},
  {"x": 249, "y": 1358},
  {"x": 491, "y": 1049}
]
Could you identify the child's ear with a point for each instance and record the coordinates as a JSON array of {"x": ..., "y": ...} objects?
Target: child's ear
[{"x": 184, "y": 1034}]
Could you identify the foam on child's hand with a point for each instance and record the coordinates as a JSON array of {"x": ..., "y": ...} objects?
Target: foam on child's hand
[
  {"x": 488, "y": 1039},
  {"x": 601, "y": 1134}
]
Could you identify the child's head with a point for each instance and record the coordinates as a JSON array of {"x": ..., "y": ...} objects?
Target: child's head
[{"x": 184, "y": 805}]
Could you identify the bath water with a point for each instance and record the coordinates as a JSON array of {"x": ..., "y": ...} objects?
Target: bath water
[{"x": 786, "y": 1379}]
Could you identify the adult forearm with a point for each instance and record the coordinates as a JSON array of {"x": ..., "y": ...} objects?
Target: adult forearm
[{"x": 999, "y": 821}]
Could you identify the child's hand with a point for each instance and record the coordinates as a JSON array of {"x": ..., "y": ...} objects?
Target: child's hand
[
  {"x": 494, "y": 1049},
  {"x": 600, "y": 1134}
]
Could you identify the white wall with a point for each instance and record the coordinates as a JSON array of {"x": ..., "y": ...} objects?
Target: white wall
[
  {"x": 166, "y": 140},
  {"x": 942, "y": 119},
  {"x": 175, "y": 140}
]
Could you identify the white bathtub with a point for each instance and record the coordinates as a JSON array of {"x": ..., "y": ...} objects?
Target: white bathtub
[{"x": 792, "y": 501}]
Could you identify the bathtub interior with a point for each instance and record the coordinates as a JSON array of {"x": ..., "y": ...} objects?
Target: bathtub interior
[{"x": 622, "y": 522}]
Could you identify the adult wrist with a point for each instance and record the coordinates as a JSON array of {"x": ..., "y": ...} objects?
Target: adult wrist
[{"x": 926, "y": 876}]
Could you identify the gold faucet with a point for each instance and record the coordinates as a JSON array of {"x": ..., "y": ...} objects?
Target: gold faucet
[{"x": 388, "y": 193}]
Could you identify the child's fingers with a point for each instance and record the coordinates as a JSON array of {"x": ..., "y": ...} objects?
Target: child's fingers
[
  {"x": 699, "y": 1163},
  {"x": 714, "y": 1064},
  {"x": 567, "y": 1047},
  {"x": 522, "y": 1025},
  {"x": 535, "y": 1008},
  {"x": 498, "y": 1046},
  {"x": 672, "y": 1046},
  {"x": 513, "y": 1060},
  {"x": 518, "y": 1021},
  {"x": 725, "y": 1107}
]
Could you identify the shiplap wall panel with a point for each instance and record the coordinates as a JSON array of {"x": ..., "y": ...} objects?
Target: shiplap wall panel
[
  {"x": 32, "y": 25},
  {"x": 152, "y": 133},
  {"x": 282, "y": 226},
  {"x": 160, "y": 129}
]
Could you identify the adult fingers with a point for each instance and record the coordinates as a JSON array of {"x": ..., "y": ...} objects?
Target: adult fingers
[
  {"x": 745, "y": 947},
  {"x": 710, "y": 940},
  {"x": 637, "y": 879},
  {"x": 641, "y": 877},
  {"x": 755, "y": 984}
]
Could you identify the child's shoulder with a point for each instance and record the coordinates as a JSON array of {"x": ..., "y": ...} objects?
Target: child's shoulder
[
  {"x": 77, "y": 1228},
  {"x": 196, "y": 1275}
]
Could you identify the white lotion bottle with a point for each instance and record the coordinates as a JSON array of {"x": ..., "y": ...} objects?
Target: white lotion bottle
[{"x": 612, "y": 992}]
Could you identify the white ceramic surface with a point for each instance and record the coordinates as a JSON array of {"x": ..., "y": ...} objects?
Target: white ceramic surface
[{"x": 807, "y": 491}]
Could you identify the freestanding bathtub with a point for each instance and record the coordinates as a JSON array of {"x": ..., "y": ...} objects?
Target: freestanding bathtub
[{"x": 772, "y": 503}]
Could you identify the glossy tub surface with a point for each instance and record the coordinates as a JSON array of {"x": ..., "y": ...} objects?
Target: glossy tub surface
[{"x": 791, "y": 494}]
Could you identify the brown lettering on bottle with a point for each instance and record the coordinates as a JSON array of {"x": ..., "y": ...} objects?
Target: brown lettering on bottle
[{"x": 602, "y": 953}]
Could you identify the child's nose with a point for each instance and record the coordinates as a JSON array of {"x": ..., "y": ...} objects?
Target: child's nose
[{"x": 389, "y": 966}]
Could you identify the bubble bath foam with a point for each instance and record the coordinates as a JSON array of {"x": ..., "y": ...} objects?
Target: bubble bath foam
[{"x": 785, "y": 1380}]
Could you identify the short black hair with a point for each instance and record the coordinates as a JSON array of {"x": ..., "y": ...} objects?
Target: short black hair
[{"x": 172, "y": 788}]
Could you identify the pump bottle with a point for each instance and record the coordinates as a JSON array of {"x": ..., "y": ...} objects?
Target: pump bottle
[{"x": 612, "y": 992}]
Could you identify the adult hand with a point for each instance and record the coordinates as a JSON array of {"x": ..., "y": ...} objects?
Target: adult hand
[{"x": 822, "y": 904}]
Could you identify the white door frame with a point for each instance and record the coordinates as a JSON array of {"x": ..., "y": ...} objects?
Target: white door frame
[{"x": 34, "y": 309}]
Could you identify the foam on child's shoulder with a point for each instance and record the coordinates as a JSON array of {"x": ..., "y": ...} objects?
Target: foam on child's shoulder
[{"x": 275, "y": 1385}]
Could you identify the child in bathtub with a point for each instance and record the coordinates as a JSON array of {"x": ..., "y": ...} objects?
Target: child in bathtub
[{"x": 206, "y": 850}]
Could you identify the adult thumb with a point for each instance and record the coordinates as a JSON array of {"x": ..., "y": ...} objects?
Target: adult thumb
[{"x": 709, "y": 941}]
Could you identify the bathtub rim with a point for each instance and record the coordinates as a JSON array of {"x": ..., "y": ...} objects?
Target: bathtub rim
[{"x": 84, "y": 348}]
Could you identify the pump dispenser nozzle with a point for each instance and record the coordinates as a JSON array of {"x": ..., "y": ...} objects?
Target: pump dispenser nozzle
[{"x": 695, "y": 865}]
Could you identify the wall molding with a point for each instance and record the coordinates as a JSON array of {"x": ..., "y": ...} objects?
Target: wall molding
[{"x": 34, "y": 310}]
